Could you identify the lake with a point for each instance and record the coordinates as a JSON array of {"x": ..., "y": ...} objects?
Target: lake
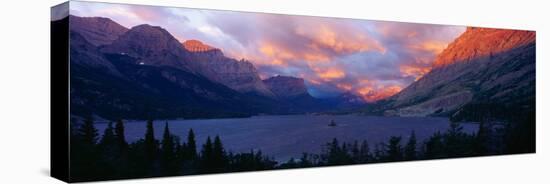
[{"x": 286, "y": 136}]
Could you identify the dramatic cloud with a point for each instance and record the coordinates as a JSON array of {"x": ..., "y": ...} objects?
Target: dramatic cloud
[{"x": 373, "y": 59}]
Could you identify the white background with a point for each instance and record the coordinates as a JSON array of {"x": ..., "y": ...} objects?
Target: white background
[{"x": 24, "y": 91}]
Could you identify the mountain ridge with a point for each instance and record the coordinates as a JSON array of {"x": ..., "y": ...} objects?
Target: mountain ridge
[
  {"x": 146, "y": 72},
  {"x": 477, "y": 67},
  {"x": 97, "y": 30}
]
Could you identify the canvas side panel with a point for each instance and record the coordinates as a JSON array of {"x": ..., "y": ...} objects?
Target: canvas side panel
[{"x": 59, "y": 89}]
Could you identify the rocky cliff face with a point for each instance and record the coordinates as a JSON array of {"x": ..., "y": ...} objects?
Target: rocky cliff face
[
  {"x": 85, "y": 54},
  {"x": 293, "y": 91},
  {"x": 482, "y": 65},
  {"x": 96, "y": 30},
  {"x": 153, "y": 45},
  {"x": 286, "y": 87},
  {"x": 197, "y": 46},
  {"x": 240, "y": 75},
  {"x": 477, "y": 43}
]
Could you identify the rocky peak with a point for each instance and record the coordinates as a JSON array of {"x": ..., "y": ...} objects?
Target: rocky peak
[
  {"x": 482, "y": 42},
  {"x": 153, "y": 45},
  {"x": 96, "y": 30},
  {"x": 197, "y": 46},
  {"x": 240, "y": 75},
  {"x": 146, "y": 38},
  {"x": 286, "y": 86}
]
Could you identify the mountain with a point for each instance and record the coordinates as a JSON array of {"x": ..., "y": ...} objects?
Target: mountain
[
  {"x": 87, "y": 55},
  {"x": 293, "y": 92},
  {"x": 347, "y": 101},
  {"x": 97, "y": 30},
  {"x": 240, "y": 75},
  {"x": 153, "y": 45},
  {"x": 286, "y": 86},
  {"x": 482, "y": 66},
  {"x": 197, "y": 46},
  {"x": 146, "y": 73},
  {"x": 113, "y": 86}
]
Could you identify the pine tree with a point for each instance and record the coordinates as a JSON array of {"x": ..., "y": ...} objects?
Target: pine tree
[
  {"x": 168, "y": 159},
  {"x": 364, "y": 152},
  {"x": 119, "y": 135},
  {"x": 481, "y": 139},
  {"x": 355, "y": 152},
  {"x": 191, "y": 145},
  {"x": 305, "y": 160},
  {"x": 393, "y": 149},
  {"x": 333, "y": 152},
  {"x": 151, "y": 148},
  {"x": 150, "y": 141},
  {"x": 84, "y": 155},
  {"x": 206, "y": 156},
  {"x": 434, "y": 147},
  {"x": 379, "y": 151},
  {"x": 456, "y": 142},
  {"x": 219, "y": 157},
  {"x": 410, "y": 148},
  {"x": 108, "y": 138},
  {"x": 121, "y": 146},
  {"x": 108, "y": 152},
  {"x": 167, "y": 142},
  {"x": 87, "y": 133}
]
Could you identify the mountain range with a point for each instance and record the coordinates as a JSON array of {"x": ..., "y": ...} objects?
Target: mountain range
[{"x": 144, "y": 72}]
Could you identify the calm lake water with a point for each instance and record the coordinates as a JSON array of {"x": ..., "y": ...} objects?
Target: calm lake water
[{"x": 286, "y": 136}]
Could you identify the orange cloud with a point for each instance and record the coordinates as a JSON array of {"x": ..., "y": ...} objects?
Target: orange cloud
[
  {"x": 329, "y": 74},
  {"x": 412, "y": 34},
  {"x": 275, "y": 55},
  {"x": 430, "y": 46},
  {"x": 316, "y": 57},
  {"x": 343, "y": 43},
  {"x": 415, "y": 71}
]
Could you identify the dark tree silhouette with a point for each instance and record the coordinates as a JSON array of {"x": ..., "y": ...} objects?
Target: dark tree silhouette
[
  {"x": 394, "y": 151},
  {"x": 119, "y": 135},
  {"x": 88, "y": 133},
  {"x": 120, "y": 155},
  {"x": 108, "y": 152},
  {"x": 151, "y": 149},
  {"x": 249, "y": 161},
  {"x": 206, "y": 163},
  {"x": 364, "y": 153},
  {"x": 337, "y": 155},
  {"x": 191, "y": 145},
  {"x": 434, "y": 147},
  {"x": 108, "y": 138},
  {"x": 169, "y": 164},
  {"x": 410, "y": 148},
  {"x": 85, "y": 158},
  {"x": 482, "y": 138},
  {"x": 113, "y": 158},
  {"x": 219, "y": 157}
]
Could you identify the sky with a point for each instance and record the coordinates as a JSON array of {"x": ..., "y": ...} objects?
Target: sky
[{"x": 372, "y": 59}]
